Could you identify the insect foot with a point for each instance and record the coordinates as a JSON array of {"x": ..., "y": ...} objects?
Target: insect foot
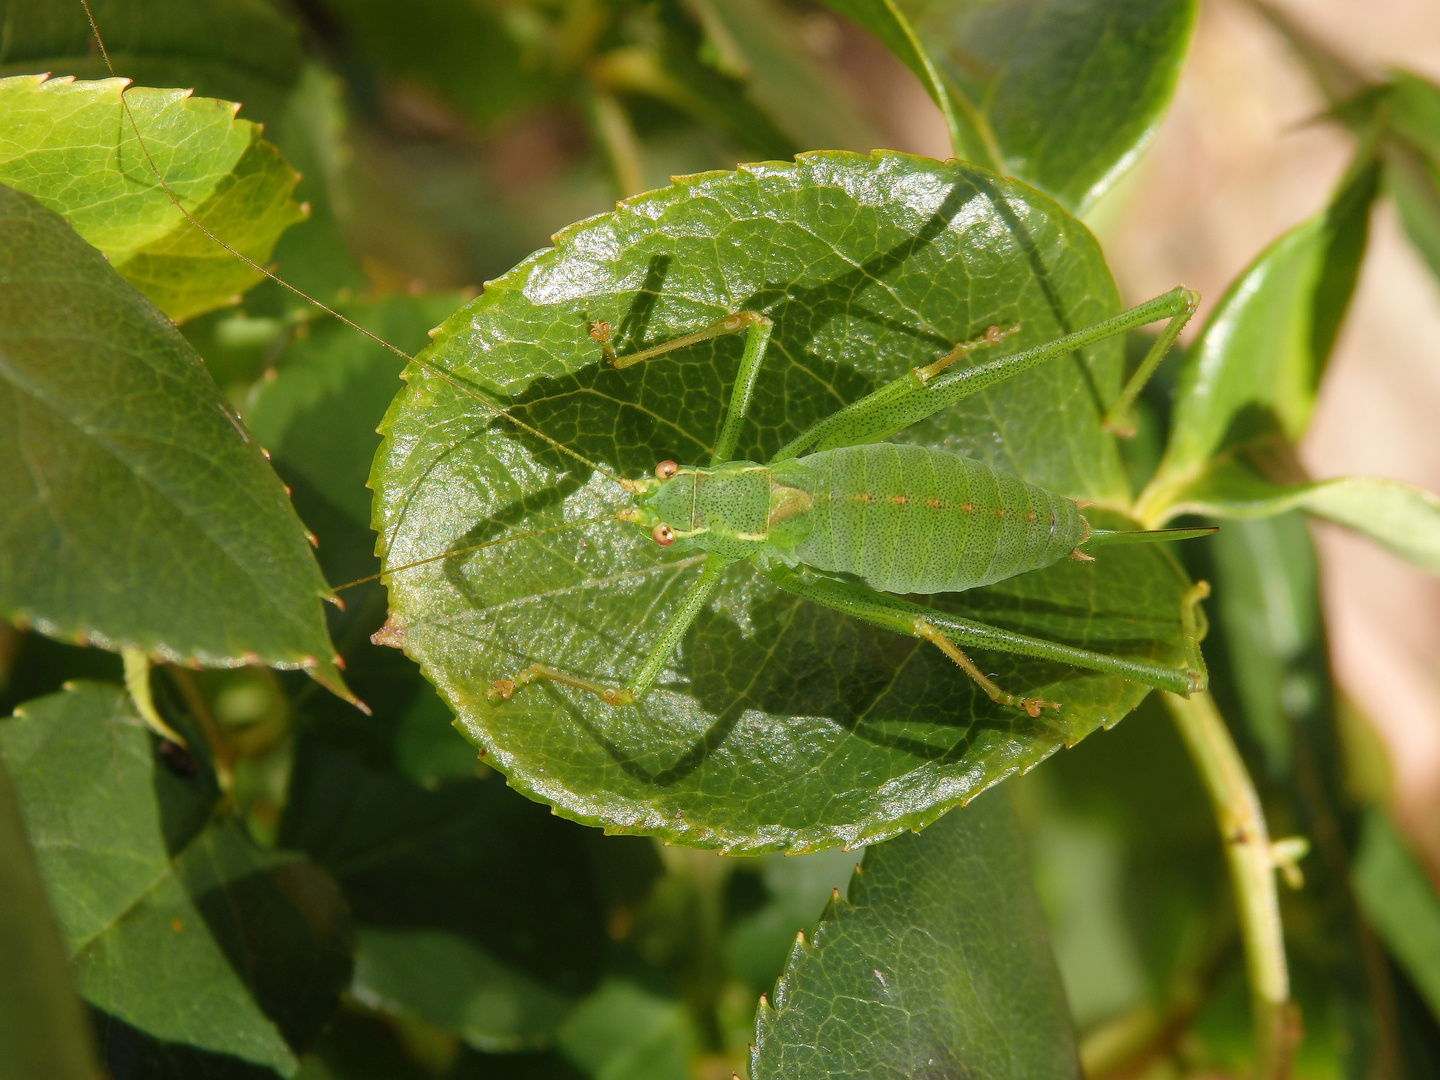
[
  {"x": 923, "y": 628},
  {"x": 1033, "y": 705},
  {"x": 504, "y": 689}
]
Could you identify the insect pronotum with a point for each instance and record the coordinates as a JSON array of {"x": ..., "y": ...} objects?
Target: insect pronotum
[{"x": 843, "y": 519}]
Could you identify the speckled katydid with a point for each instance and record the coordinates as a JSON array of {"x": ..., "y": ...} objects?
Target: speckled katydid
[{"x": 856, "y": 523}]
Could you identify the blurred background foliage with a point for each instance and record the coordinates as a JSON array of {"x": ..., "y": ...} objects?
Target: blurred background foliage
[{"x": 441, "y": 142}]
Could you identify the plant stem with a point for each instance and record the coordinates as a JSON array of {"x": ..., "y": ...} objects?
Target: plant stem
[{"x": 1252, "y": 875}]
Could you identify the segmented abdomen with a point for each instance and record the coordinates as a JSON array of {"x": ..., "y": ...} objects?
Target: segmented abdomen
[{"x": 910, "y": 519}]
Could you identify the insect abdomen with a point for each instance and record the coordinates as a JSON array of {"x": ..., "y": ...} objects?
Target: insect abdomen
[{"x": 910, "y": 519}]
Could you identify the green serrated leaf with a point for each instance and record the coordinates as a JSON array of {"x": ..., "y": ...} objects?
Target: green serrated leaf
[
  {"x": 1060, "y": 94},
  {"x": 43, "y": 1030},
  {"x": 1253, "y": 373},
  {"x": 140, "y": 513},
  {"x": 159, "y": 904},
  {"x": 72, "y": 146},
  {"x": 798, "y": 888},
  {"x": 936, "y": 964},
  {"x": 456, "y": 985},
  {"x": 238, "y": 50},
  {"x": 783, "y": 726}
]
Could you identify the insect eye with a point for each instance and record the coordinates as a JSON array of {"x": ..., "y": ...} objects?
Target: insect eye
[
  {"x": 664, "y": 535},
  {"x": 666, "y": 469}
]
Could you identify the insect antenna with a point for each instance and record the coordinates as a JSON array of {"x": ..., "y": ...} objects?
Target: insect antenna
[
  {"x": 432, "y": 368},
  {"x": 473, "y": 547}
]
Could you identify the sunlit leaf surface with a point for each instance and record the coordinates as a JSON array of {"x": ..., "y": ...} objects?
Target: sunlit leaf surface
[
  {"x": 779, "y": 725},
  {"x": 72, "y": 146}
]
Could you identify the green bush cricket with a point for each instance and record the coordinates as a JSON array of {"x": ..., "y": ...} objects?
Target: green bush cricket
[{"x": 856, "y": 523}]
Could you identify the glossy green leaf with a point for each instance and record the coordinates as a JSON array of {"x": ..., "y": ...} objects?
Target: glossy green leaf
[
  {"x": 174, "y": 922},
  {"x": 783, "y": 726},
  {"x": 238, "y": 50},
  {"x": 140, "y": 513},
  {"x": 457, "y": 986},
  {"x": 1060, "y": 94},
  {"x": 936, "y": 964},
  {"x": 1396, "y": 515},
  {"x": 1400, "y": 902},
  {"x": 798, "y": 889},
  {"x": 1253, "y": 374},
  {"x": 72, "y": 146},
  {"x": 43, "y": 1029}
]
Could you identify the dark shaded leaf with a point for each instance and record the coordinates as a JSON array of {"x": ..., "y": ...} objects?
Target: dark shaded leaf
[
  {"x": 1060, "y": 94},
  {"x": 457, "y": 986},
  {"x": 72, "y": 146},
  {"x": 140, "y": 513},
  {"x": 783, "y": 726},
  {"x": 175, "y": 922},
  {"x": 623, "y": 1032},
  {"x": 463, "y": 51},
  {"x": 936, "y": 965},
  {"x": 784, "y": 79},
  {"x": 44, "y": 1032},
  {"x": 238, "y": 50},
  {"x": 470, "y": 859},
  {"x": 1400, "y": 902}
]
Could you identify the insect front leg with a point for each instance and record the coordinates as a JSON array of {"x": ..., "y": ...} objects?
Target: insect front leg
[
  {"x": 699, "y": 595},
  {"x": 926, "y": 390},
  {"x": 757, "y": 337}
]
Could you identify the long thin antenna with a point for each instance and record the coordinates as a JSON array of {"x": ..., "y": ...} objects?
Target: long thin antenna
[
  {"x": 473, "y": 547},
  {"x": 433, "y": 369}
]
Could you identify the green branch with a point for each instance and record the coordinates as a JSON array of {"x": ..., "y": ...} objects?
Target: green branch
[{"x": 1252, "y": 862}]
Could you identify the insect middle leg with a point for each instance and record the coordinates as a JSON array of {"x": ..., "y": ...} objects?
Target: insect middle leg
[{"x": 644, "y": 677}]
